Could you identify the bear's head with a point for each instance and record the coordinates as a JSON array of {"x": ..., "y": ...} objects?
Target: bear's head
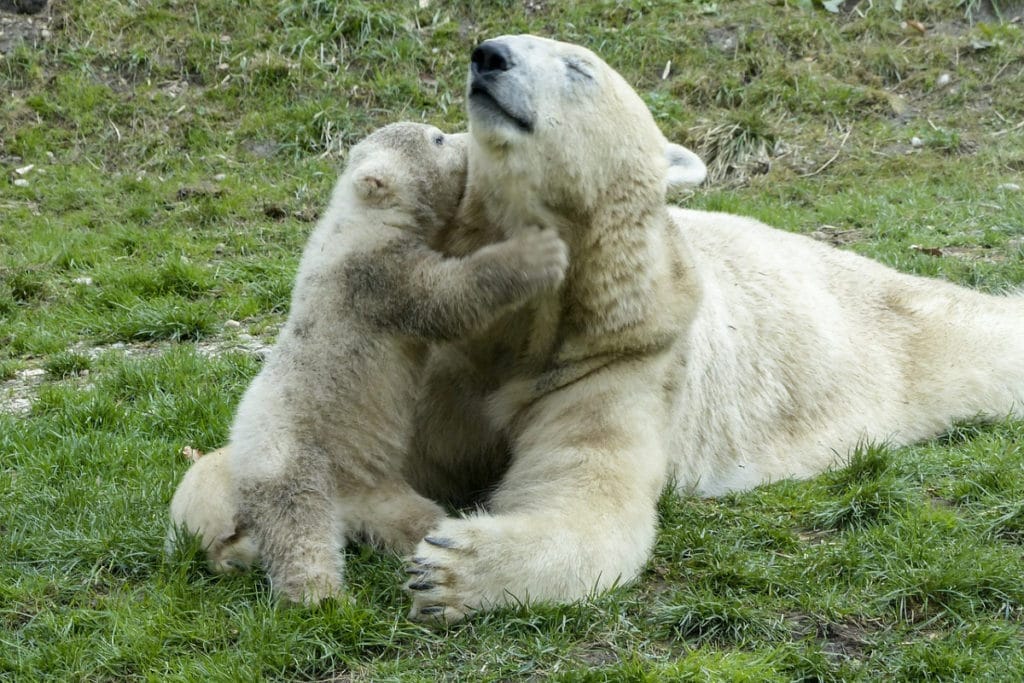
[
  {"x": 204, "y": 505},
  {"x": 412, "y": 168},
  {"x": 555, "y": 130}
]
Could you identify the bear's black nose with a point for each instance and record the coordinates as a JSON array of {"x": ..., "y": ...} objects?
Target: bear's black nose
[{"x": 490, "y": 56}]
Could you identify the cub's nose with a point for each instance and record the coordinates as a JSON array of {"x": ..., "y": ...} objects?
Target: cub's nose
[{"x": 491, "y": 55}]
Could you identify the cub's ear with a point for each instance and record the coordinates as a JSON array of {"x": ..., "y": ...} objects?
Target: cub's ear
[
  {"x": 375, "y": 186},
  {"x": 685, "y": 169}
]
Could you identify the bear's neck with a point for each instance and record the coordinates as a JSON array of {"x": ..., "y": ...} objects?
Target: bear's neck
[
  {"x": 620, "y": 297},
  {"x": 618, "y": 286}
]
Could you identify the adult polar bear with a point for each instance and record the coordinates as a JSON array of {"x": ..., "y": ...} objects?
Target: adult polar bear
[{"x": 701, "y": 347}]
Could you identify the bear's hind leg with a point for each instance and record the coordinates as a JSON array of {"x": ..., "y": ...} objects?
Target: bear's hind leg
[{"x": 392, "y": 515}]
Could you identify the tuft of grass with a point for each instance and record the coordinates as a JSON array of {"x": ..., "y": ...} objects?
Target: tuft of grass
[
  {"x": 8, "y": 369},
  {"x": 25, "y": 286},
  {"x": 721, "y": 622},
  {"x": 735, "y": 149},
  {"x": 161, "y": 319},
  {"x": 67, "y": 364},
  {"x": 863, "y": 505}
]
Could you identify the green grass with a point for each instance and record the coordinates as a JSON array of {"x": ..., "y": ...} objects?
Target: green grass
[{"x": 181, "y": 154}]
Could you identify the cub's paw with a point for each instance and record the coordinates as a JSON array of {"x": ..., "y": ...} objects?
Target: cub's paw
[
  {"x": 311, "y": 590},
  {"x": 542, "y": 256}
]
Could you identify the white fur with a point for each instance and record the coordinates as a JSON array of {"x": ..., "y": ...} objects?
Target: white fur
[
  {"x": 685, "y": 169},
  {"x": 318, "y": 436},
  {"x": 704, "y": 347},
  {"x": 801, "y": 351}
]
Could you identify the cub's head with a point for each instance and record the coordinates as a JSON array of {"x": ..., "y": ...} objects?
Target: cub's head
[
  {"x": 555, "y": 117},
  {"x": 204, "y": 505},
  {"x": 413, "y": 168}
]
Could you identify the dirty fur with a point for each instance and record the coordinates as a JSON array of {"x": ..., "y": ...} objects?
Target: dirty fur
[{"x": 319, "y": 438}]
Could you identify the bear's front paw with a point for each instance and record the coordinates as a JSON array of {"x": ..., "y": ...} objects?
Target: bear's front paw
[{"x": 439, "y": 580}]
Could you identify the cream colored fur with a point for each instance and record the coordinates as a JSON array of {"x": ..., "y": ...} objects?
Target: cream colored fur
[
  {"x": 204, "y": 505},
  {"x": 319, "y": 436},
  {"x": 702, "y": 348}
]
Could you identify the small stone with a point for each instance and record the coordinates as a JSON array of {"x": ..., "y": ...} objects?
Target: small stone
[
  {"x": 24, "y": 169},
  {"x": 191, "y": 454},
  {"x": 220, "y": 177},
  {"x": 943, "y": 80},
  {"x": 87, "y": 281},
  {"x": 916, "y": 142},
  {"x": 20, "y": 182},
  {"x": 233, "y": 324},
  {"x": 1008, "y": 187}
]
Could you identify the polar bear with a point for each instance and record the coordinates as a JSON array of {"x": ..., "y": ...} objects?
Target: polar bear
[
  {"x": 700, "y": 348},
  {"x": 318, "y": 438}
]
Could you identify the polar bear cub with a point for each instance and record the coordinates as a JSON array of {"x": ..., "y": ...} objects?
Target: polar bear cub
[{"x": 320, "y": 435}]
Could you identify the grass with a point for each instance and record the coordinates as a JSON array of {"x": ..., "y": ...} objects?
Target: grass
[{"x": 180, "y": 154}]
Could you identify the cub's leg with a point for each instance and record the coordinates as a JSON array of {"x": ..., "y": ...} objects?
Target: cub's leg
[
  {"x": 575, "y": 513},
  {"x": 300, "y": 534}
]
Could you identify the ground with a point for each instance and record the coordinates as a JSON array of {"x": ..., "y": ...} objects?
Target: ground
[{"x": 161, "y": 163}]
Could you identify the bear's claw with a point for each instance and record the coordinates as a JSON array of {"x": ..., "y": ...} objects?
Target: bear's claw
[
  {"x": 441, "y": 542},
  {"x": 421, "y": 586},
  {"x": 429, "y": 611},
  {"x": 431, "y": 583},
  {"x": 422, "y": 563}
]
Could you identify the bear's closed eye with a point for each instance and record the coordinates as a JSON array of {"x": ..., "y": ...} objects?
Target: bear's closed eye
[{"x": 578, "y": 68}]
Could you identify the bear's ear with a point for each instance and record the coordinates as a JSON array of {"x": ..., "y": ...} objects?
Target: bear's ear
[
  {"x": 685, "y": 169},
  {"x": 227, "y": 535},
  {"x": 375, "y": 185}
]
